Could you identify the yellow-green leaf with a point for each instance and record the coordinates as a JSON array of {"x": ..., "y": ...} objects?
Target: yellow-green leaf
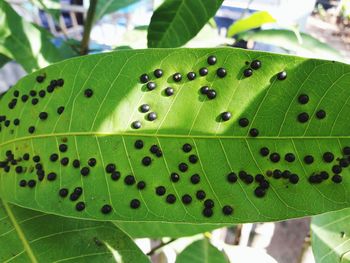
[{"x": 255, "y": 20}]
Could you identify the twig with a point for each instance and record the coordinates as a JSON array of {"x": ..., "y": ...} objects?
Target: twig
[
  {"x": 153, "y": 250},
  {"x": 87, "y": 27},
  {"x": 238, "y": 233}
]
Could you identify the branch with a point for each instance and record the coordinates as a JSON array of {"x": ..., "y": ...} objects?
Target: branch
[
  {"x": 153, "y": 250},
  {"x": 87, "y": 27}
]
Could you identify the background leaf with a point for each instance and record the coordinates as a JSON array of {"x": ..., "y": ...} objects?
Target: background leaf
[
  {"x": 286, "y": 39},
  {"x": 255, "y": 20},
  {"x": 164, "y": 229},
  {"x": 29, "y": 236},
  {"x": 105, "y": 7},
  {"x": 24, "y": 42},
  {"x": 330, "y": 237},
  {"x": 3, "y": 60},
  {"x": 102, "y": 96},
  {"x": 175, "y": 22},
  {"x": 201, "y": 251}
]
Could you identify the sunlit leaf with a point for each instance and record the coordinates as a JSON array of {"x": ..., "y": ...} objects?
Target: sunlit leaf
[
  {"x": 29, "y": 236},
  {"x": 102, "y": 96},
  {"x": 286, "y": 39},
  {"x": 255, "y": 20},
  {"x": 330, "y": 237},
  {"x": 175, "y": 22},
  {"x": 201, "y": 251}
]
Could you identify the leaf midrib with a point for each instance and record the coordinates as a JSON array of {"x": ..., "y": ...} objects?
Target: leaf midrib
[
  {"x": 20, "y": 233},
  {"x": 173, "y": 136}
]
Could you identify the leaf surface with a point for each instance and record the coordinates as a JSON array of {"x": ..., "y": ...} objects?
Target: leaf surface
[
  {"x": 175, "y": 22},
  {"x": 255, "y": 20},
  {"x": 102, "y": 95},
  {"x": 201, "y": 251},
  {"x": 30, "y": 236},
  {"x": 330, "y": 237}
]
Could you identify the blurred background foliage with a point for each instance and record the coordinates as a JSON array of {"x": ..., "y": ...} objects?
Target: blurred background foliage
[{"x": 36, "y": 33}]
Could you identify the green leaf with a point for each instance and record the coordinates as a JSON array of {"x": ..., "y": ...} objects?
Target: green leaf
[
  {"x": 3, "y": 60},
  {"x": 105, "y": 7},
  {"x": 29, "y": 236},
  {"x": 52, "y": 7},
  {"x": 164, "y": 229},
  {"x": 330, "y": 237},
  {"x": 101, "y": 127},
  {"x": 201, "y": 251},
  {"x": 175, "y": 22},
  {"x": 255, "y": 20},
  {"x": 24, "y": 42},
  {"x": 287, "y": 39}
]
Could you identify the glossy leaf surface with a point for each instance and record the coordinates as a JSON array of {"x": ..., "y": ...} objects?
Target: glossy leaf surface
[
  {"x": 175, "y": 22},
  {"x": 29, "y": 236},
  {"x": 102, "y": 97}
]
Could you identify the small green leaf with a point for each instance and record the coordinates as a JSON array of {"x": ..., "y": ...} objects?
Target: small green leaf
[
  {"x": 330, "y": 237},
  {"x": 175, "y": 22},
  {"x": 29, "y": 236},
  {"x": 201, "y": 251},
  {"x": 164, "y": 229},
  {"x": 88, "y": 109},
  {"x": 105, "y": 7},
  {"x": 255, "y": 20},
  {"x": 51, "y": 7},
  {"x": 3, "y": 60},
  {"x": 286, "y": 39},
  {"x": 25, "y": 42}
]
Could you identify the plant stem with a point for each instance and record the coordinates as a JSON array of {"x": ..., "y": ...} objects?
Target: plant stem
[
  {"x": 153, "y": 250},
  {"x": 238, "y": 233},
  {"x": 87, "y": 27}
]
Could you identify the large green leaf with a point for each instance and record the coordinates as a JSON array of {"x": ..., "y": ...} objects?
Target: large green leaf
[
  {"x": 109, "y": 6},
  {"x": 101, "y": 127},
  {"x": 164, "y": 229},
  {"x": 330, "y": 237},
  {"x": 29, "y": 236},
  {"x": 201, "y": 251},
  {"x": 253, "y": 21},
  {"x": 175, "y": 22},
  {"x": 24, "y": 42},
  {"x": 287, "y": 39}
]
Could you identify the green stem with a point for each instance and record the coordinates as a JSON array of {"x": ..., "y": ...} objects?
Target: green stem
[{"x": 87, "y": 27}]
